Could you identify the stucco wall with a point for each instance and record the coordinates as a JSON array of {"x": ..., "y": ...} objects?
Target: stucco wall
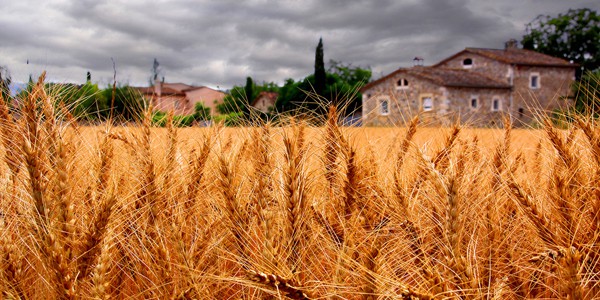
[
  {"x": 178, "y": 104},
  {"x": 207, "y": 96}
]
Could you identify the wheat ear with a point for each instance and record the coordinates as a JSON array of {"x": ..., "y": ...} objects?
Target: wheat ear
[
  {"x": 295, "y": 195},
  {"x": 399, "y": 191},
  {"x": 278, "y": 283},
  {"x": 332, "y": 147}
]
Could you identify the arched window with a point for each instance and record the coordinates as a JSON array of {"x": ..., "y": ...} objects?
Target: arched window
[
  {"x": 467, "y": 63},
  {"x": 402, "y": 83}
]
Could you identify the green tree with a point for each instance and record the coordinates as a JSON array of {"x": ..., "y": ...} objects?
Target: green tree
[
  {"x": 320, "y": 74},
  {"x": 574, "y": 36},
  {"x": 235, "y": 101},
  {"x": 288, "y": 94},
  {"x": 355, "y": 76},
  {"x": 298, "y": 97},
  {"x": 249, "y": 89},
  {"x": 345, "y": 85},
  {"x": 85, "y": 102},
  {"x": 587, "y": 94},
  {"x": 129, "y": 104},
  {"x": 201, "y": 112},
  {"x": 342, "y": 83}
]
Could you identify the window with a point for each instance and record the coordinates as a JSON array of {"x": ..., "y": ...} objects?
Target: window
[
  {"x": 427, "y": 102},
  {"x": 384, "y": 107},
  {"x": 534, "y": 81},
  {"x": 521, "y": 112},
  {"x": 402, "y": 84},
  {"x": 176, "y": 104},
  {"x": 474, "y": 103},
  {"x": 496, "y": 104},
  {"x": 467, "y": 63}
]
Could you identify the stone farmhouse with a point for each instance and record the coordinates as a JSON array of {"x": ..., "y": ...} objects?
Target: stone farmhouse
[
  {"x": 478, "y": 86},
  {"x": 265, "y": 101},
  {"x": 181, "y": 97}
]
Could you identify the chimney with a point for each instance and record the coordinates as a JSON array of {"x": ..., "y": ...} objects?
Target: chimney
[
  {"x": 157, "y": 87},
  {"x": 418, "y": 61},
  {"x": 511, "y": 44}
]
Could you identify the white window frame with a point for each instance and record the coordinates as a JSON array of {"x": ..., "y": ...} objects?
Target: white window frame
[
  {"x": 380, "y": 106},
  {"x": 496, "y": 99},
  {"x": 477, "y": 102},
  {"x": 426, "y": 96},
  {"x": 538, "y": 81},
  {"x": 402, "y": 86},
  {"x": 467, "y": 66}
]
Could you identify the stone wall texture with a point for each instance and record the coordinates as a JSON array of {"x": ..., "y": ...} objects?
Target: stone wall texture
[
  {"x": 449, "y": 103},
  {"x": 522, "y": 101}
]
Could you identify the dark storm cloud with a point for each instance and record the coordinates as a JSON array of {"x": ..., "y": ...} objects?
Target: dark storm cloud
[{"x": 219, "y": 43}]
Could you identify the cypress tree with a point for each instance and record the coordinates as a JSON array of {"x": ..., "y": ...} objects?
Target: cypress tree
[
  {"x": 249, "y": 90},
  {"x": 320, "y": 76}
]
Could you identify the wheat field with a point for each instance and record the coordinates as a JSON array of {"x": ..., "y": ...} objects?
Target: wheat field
[{"x": 294, "y": 211}]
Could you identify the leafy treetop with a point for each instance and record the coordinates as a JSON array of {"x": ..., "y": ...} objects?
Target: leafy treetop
[{"x": 574, "y": 36}]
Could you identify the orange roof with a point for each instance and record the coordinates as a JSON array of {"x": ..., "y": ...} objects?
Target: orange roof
[
  {"x": 447, "y": 77},
  {"x": 271, "y": 96},
  {"x": 172, "y": 89},
  {"x": 145, "y": 90},
  {"x": 515, "y": 56}
]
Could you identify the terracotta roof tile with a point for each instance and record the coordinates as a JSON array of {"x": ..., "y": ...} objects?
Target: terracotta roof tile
[
  {"x": 171, "y": 91},
  {"x": 457, "y": 78},
  {"x": 145, "y": 90},
  {"x": 447, "y": 77},
  {"x": 516, "y": 56},
  {"x": 271, "y": 96}
]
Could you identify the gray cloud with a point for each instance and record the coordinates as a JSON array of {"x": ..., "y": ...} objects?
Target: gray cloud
[{"x": 219, "y": 43}]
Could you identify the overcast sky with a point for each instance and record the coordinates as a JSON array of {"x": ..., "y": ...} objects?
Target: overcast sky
[{"x": 218, "y": 43}]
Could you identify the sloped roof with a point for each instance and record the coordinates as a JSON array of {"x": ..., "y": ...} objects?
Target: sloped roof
[
  {"x": 515, "y": 56},
  {"x": 271, "y": 96},
  {"x": 176, "y": 86},
  {"x": 145, "y": 90},
  {"x": 446, "y": 77},
  {"x": 171, "y": 89},
  {"x": 165, "y": 91}
]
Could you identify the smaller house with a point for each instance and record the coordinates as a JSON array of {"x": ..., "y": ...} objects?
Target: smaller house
[
  {"x": 181, "y": 98},
  {"x": 265, "y": 101}
]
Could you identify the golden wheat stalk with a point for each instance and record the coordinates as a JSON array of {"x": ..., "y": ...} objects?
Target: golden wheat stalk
[{"x": 279, "y": 284}]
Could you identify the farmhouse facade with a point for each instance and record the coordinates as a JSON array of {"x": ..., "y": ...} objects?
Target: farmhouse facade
[
  {"x": 478, "y": 86},
  {"x": 265, "y": 101},
  {"x": 181, "y": 98}
]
